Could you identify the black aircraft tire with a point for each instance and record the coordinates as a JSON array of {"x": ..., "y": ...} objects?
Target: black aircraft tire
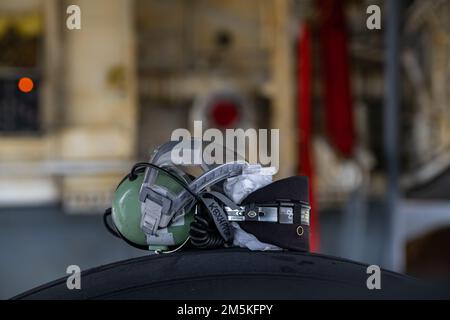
[{"x": 230, "y": 274}]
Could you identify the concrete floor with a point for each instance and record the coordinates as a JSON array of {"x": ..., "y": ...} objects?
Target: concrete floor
[{"x": 37, "y": 245}]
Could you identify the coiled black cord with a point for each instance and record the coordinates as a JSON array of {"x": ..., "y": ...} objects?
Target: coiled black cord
[{"x": 203, "y": 236}]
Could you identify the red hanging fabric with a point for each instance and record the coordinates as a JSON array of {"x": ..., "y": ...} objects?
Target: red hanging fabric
[
  {"x": 336, "y": 74},
  {"x": 305, "y": 128}
]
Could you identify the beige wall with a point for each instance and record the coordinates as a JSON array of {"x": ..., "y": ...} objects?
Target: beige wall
[
  {"x": 99, "y": 76},
  {"x": 88, "y": 103}
]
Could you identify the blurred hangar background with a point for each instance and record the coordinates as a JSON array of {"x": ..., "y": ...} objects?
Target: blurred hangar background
[{"x": 365, "y": 113}]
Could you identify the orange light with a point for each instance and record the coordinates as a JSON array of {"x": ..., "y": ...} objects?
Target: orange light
[{"x": 25, "y": 84}]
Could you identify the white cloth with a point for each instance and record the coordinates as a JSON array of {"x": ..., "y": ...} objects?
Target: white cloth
[
  {"x": 253, "y": 178},
  {"x": 244, "y": 239}
]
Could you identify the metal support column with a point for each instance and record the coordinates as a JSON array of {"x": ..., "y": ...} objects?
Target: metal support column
[{"x": 391, "y": 125}]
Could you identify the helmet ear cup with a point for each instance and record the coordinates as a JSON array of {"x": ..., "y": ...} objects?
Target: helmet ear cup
[{"x": 126, "y": 213}]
